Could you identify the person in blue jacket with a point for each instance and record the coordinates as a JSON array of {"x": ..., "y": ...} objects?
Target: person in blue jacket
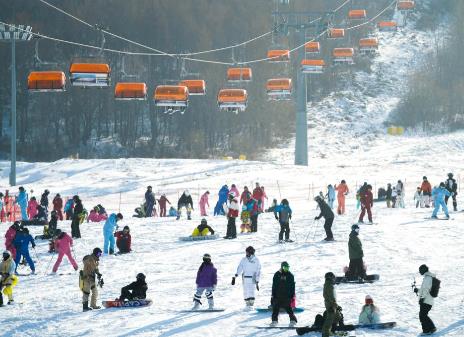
[
  {"x": 223, "y": 193},
  {"x": 108, "y": 232},
  {"x": 21, "y": 242},
  {"x": 438, "y": 195},
  {"x": 150, "y": 202},
  {"x": 330, "y": 196},
  {"x": 22, "y": 200},
  {"x": 285, "y": 214}
]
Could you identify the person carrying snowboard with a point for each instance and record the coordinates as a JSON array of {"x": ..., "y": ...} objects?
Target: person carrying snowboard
[
  {"x": 63, "y": 244},
  {"x": 8, "y": 278},
  {"x": 426, "y": 189},
  {"x": 356, "y": 254},
  {"x": 342, "y": 191},
  {"x": 203, "y": 203},
  {"x": 370, "y": 313},
  {"x": 21, "y": 242},
  {"x": 232, "y": 213},
  {"x": 283, "y": 291},
  {"x": 439, "y": 194},
  {"x": 367, "y": 202},
  {"x": 202, "y": 229},
  {"x": 185, "y": 200},
  {"x": 111, "y": 224},
  {"x": 425, "y": 300},
  {"x": 206, "y": 282},
  {"x": 332, "y": 314},
  {"x": 250, "y": 270},
  {"x": 22, "y": 200},
  {"x": 78, "y": 217},
  {"x": 452, "y": 187},
  {"x": 123, "y": 240},
  {"x": 284, "y": 217},
  {"x": 87, "y": 279},
  {"x": 136, "y": 290},
  {"x": 328, "y": 215}
]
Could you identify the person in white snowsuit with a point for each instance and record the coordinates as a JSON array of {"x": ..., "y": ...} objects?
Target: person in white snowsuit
[
  {"x": 418, "y": 198},
  {"x": 250, "y": 269},
  {"x": 401, "y": 194},
  {"x": 369, "y": 313}
]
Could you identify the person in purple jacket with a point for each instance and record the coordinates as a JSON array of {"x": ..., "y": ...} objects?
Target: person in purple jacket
[{"x": 206, "y": 281}]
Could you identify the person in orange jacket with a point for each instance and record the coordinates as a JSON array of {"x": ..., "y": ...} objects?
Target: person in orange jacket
[
  {"x": 426, "y": 189},
  {"x": 342, "y": 190}
]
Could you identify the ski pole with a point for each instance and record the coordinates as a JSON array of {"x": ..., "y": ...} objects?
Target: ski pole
[
  {"x": 309, "y": 231},
  {"x": 49, "y": 263},
  {"x": 36, "y": 255},
  {"x": 316, "y": 229}
]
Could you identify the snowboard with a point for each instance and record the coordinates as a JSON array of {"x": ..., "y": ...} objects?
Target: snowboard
[
  {"x": 349, "y": 327},
  {"x": 127, "y": 304},
  {"x": 261, "y": 310},
  {"x": 204, "y": 310},
  {"x": 199, "y": 238},
  {"x": 369, "y": 279}
]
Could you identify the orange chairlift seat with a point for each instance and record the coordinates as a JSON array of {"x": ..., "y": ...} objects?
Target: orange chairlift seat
[
  {"x": 279, "y": 89},
  {"x": 195, "y": 87},
  {"x": 343, "y": 55},
  {"x": 278, "y": 55},
  {"x": 171, "y": 96},
  {"x": 90, "y": 74},
  {"x": 312, "y": 66},
  {"x": 368, "y": 45},
  {"x": 336, "y": 33},
  {"x": 239, "y": 74},
  {"x": 387, "y": 26},
  {"x": 357, "y": 14},
  {"x": 130, "y": 91},
  {"x": 312, "y": 47},
  {"x": 232, "y": 99},
  {"x": 405, "y": 5},
  {"x": 46, "y": 81}
]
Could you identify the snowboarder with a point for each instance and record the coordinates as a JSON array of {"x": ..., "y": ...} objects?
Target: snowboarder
[
  {"x": 388, "y": 196},
  {"x": 87, "y": 279},
  {"x": 369, "y": 312},
  {"x": 185, "y": 200},
  {"x": 332, "y": 316},
  {"x": 136, "y": 290},
  {"x": 8, "y": 277},
  {"x": 367, "y": 202},
  {"x": 150, "y": 202},
  {"x": 234, "y": 191},
  {"x": 452, "y": 187},
  {"x": 426, "y": 189},
  {"x": 203, "y": 203},
  {"x": 162, "y": 204},
  {"x": 418, "y": 197},
  {"x": 206, "y": 282},
  {"x": 123, "y": 240},
  {"x": 284, "y": 217},
  {"x": 425, "y": 300},
  {"x": 330, "y": 196},
  {"x": 68, "y": 209},
  {"x": 63, "y": 244},
  {"x": 44, "y": 200},
  {"x": 10, "y": 236},
  {"x": 283, "y": 291},
  {"x": 328, "y": 215},
  {"x": 400, "y": 194},
  {"x": 356, "y": 267},
  {"x": 232, "y": 213},
  {"x": 342, "y": 191},
  {"x": 58, "y": 205},
  {"x": 22, "y": 200},
  {"x": 250, "y": 270},
  {"x": 109, "y": 227},
  {"x": 223, "y": 193},
  {"x": 439, "y": 194},
  {"x": 203, "y": 229},
  {"x": 21, "y": 242},
  {"x": 32, "y": 208},
  {"x": 78, "y": 216},
  {"x": 245, "y": 196},
  {"x": 258, "y": 195}
]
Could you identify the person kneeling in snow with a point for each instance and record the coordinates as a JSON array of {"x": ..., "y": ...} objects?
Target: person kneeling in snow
[
  {"x": 203, "y": 229},
  {"x": 123, "y": 240},
  {"x": 369, "y": 313},
  {"x": 206, "y": 281},
  {"x": 136, "y": 290}
]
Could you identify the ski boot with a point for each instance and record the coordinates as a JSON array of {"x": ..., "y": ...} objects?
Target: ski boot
[
  {"x": 111, "y": 251},
  {"x": 292, "y": 324},
  {"x": 196, "y": 305},
  {"x": 210, "y": 304},
  {"x": 10, "y": 302}
]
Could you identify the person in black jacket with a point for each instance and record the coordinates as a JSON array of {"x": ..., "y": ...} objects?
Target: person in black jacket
[
  {"x": 44, "y": 200},
  {"x": 328, "y": 215},
  {"x": 185, "y": 200},
  {"x": 77, "y": 217},
  {"x": 452, "y": 187},
  {"x": 136, "y": 290},
  {"x": 388, "y": 196},
  {"x": 150, "y": 202},
  {"x": 283, "y": 291}
]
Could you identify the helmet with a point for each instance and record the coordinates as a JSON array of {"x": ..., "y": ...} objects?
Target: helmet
[
  {"x": 207, "y": 257},
  {"x": 97, "y": 252},
  {"x": 423, "y": 269},
  {"x": 204, "y": 222},
  {"x": 140, "y": 277},
  {"x": 250, "y": 250},
  {"x": 329, "y": 275},
  {"x": 6, "y": 254},
  {"x": 119, "y": 216},
  {"x": 450, "y": 175}
]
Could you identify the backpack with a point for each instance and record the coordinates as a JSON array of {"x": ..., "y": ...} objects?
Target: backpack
[{"x": 435, "y": 287}]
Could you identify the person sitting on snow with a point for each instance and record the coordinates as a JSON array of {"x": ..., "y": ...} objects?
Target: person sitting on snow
[
  {"x": 123, "y": 240},
  {"x": 369, "y": 313},
  {"x": 203, "y": 229},
  {"x": 136, "y": 290},
  {"x": 96, "y": 215}
]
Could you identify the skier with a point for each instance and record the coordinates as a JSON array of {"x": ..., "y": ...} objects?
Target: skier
[
  {"x": 452, "y": 187},
  {"x": 426, "y": 190},
  {"x": 22, "y": 200},
  {"x": 58, "y": 205},
  {"x": 232, "y": 213},
  {"x": 150, "y": 202},
  {"x": 21, "y": 242},
  {"x": 369, "y": 312},
  {"x": 63, "y": 244},
  {"x": 206, "y": 281},
  {"x": 44, "y": 200},
  {"x": 388, "y": 197},
  {"x": 68, "y": 209},
  {"x": 425, "y": 300},
  {"x": 136, "y": 290},
  {"x": 10, "y": 236},
  {"x": 439, "y": 194},
  {"x": 245, "y": 195},
  {"x": 418, "y": 197},
  {"x": 185, "y": 200},
  {"x": 258, "y": 195},
  {"x": 332, "y": 313},
  {"x": 283, "y": 291},
  {"x": 203, "y": 203},
  {"x": 342, "y": 191},
  {"x": 252, "y": 207},
  {"x": 356, "y": 267},
  {"x": 250, "y": 270},
  {"x": 400, "y": 194},
  {"x": 8, "y": 277},
  {"x": 32, "y": 208},
  {"x": 123, "y": 240},
  {"x": 328, "y": 215},
  {"x": 162, "y": 204},
  {"x": 367, "y": 202},
  {"x": 77, "y": 217},
  {"x": 284, "y": 217},
  {"x": 330, "y": 196},
  {"x": 234, "y": 191},
  {"x": 111, "y": 224},
  {"x": 203, "y": 229},
  {"x": 223, "y": 193},
  {"x": 87, "y": 279}
]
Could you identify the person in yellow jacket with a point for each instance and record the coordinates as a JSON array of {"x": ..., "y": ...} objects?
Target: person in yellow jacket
[
  {"x": 203, "y": 229},
  {"x": 87, "y": 279},
  {"x": 8, "y": 277}
]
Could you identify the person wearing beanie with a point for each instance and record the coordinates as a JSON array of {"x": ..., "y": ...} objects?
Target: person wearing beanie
[
  {"x": 123, "y": 240},
  {"x": 425, "y": 300},
  {"x": 283, "y": 292},
  {"x": 206, "y": 282},
  {"x": 356, "y": 254},
  {"x": 369, "y": 312},
  {"x": 108, "y": 232}
]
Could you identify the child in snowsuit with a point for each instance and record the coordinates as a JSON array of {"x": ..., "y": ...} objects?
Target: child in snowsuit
[
  {"x": 87, "y": 279},
  {"x": 342, "y": 191},
  {"x": 136, "y": 290},
  {"x": 328, "y": 215},
  {"x": 8, "y": 278},
  {"x": 418, "y": 197},
  {"x": 367, "y": 202},
  {"x": 356, "y": 254},
  {"x": 108, "y": 232},
  {"x": 22, "y": 200},
  {"x": 232, "y": 213},
  {"x": 206, "y": 281},
  {"x": 203, "y": 203},
  {"x": 234, "y": 191},
  {"x": 32, "y": 208},
  {"x": 162, "y": 204},
  {"x": 172, "y": 211},
  {"x": 250, "y": 270},
  {"x": 21, "y": 242},
  {"x": 203, "y": 229},
  {"x": 245, "y": 227},
  {"x": 369, "y": 312},
  {"x": 330, "y": 196},
  {"x": 258, "y": 195},
  {"x": 223, "y": 193},
  {"x": 123, "y": 240},
  {"x": 245, "y": 196},
  {"x": 9, "y": 238},
  {"x": 58, "y": 205},
  {"x": 284, "y": 217},
  {"x": 185, "y": 200},
  {"x": 283, "y": 291},
  {"x": 95, "y": 216},
  {"x": 253, "y": 208},
  {"x": 439, "y": 194},
  {"x": 63, "y": 244}
]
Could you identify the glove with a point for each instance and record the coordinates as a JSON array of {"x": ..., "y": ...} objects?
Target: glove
[
  {"x": 33, "y": 246},
  {"x": 421, "y": 301},
  {"x": 101, "y": 282},
  {"x": 416, "y": 290},
  {"x": 212, "y": 232},
  {"x": 316, "y": 218},
  {"x": 257, "y": 286},
  {"x": 233, "y": 280},
  {"x": 99, "y": 276}
]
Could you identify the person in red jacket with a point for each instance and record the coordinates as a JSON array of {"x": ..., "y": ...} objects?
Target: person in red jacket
[
  {"x": 232, "y": 213},
  {"x": 258, "y": 195},
  {"x": 367, "y": 201},
  {"x": 123, "y": 240},
  {"x": 162, "y": 204},
  {"x": 426, "y": 189},
  {"x": 244, "y": 197},
  {"x": 10, "y": 236},
  {"x": 58, "y": 206}
]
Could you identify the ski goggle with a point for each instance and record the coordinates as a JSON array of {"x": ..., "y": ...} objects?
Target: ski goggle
[
  {"x": 98, "y": 254},
  {"x": 285, "y": 268}
]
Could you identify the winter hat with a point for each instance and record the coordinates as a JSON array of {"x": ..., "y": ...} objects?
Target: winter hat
[
  {"x": 285, "y": 265},
  {"x": 423, "y": 269},
  {"x": 207, "y": 257},
  {"x": 119, "y": 216},
  {"x": 355, "y": 228},
  {"x": 442, "y": 184},
  {"x": 368, "y": 300},
  {"x": 250, "y": 250},
  {"x": 186, "y": 192},
  {"x": 97, "y": 252},
  {"x": 6, "y": 255},
  {"x": 424, "y": 178},
  {"x": 329, "y": 275},
  {"x": 126, "y": 227}
]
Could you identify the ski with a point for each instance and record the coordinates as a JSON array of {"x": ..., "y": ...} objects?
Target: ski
[
  {"x": 261, "y": 310},
  {"x": 127, "y": 304}
]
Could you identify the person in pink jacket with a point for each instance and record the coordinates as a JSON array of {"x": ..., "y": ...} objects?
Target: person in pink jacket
[
  {"x": 9, "y": 238},
  {"x": 63, "y": 244},
  {"x": 203, "y": 203},
  {"x": 262, "y": 200},
  {"x": 95, "y": 216},
  {"x": 234, "y": 191},
  {"x": 32, "y": 208}
]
